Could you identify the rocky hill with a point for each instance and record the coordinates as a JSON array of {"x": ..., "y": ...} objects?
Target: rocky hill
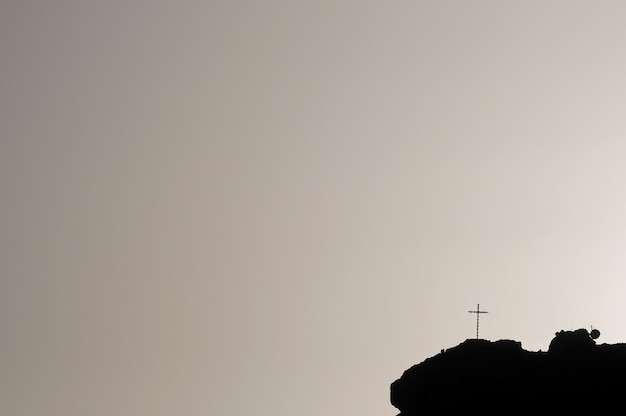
[{"x": 484, "y": 377}]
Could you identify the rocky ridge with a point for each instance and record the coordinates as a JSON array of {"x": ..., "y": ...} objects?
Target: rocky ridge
[{"x": 500, "y": 377}]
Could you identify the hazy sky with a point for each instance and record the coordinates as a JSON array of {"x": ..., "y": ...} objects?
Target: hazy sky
[{"x": 276, "y": 207}]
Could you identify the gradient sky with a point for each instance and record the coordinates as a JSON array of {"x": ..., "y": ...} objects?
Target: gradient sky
[{"x": 276, "y": 207}]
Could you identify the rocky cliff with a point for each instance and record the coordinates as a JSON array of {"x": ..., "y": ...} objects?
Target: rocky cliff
[{"x": 500, "y": 377}]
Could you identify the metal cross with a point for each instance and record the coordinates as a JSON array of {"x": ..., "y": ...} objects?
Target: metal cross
[{"x": 477, "y": 312}]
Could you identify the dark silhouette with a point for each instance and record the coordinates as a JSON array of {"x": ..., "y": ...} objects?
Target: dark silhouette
[{"x": 480, "y": 376}]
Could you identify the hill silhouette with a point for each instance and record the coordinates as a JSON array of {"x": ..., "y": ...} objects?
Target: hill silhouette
[{"x": 484, "y": 377}]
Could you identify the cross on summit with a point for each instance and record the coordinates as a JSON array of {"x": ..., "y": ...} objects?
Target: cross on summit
[{"x": 477, "y": 312}]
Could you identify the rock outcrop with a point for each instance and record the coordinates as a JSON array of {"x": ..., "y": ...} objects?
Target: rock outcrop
[{"x": 480, "y": 376}]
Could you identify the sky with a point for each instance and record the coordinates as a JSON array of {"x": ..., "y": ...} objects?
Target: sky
[{"x": 269, "y": 207}]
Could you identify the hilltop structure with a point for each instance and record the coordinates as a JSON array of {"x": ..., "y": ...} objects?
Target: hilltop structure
[{"x": 484, "y": 377}]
